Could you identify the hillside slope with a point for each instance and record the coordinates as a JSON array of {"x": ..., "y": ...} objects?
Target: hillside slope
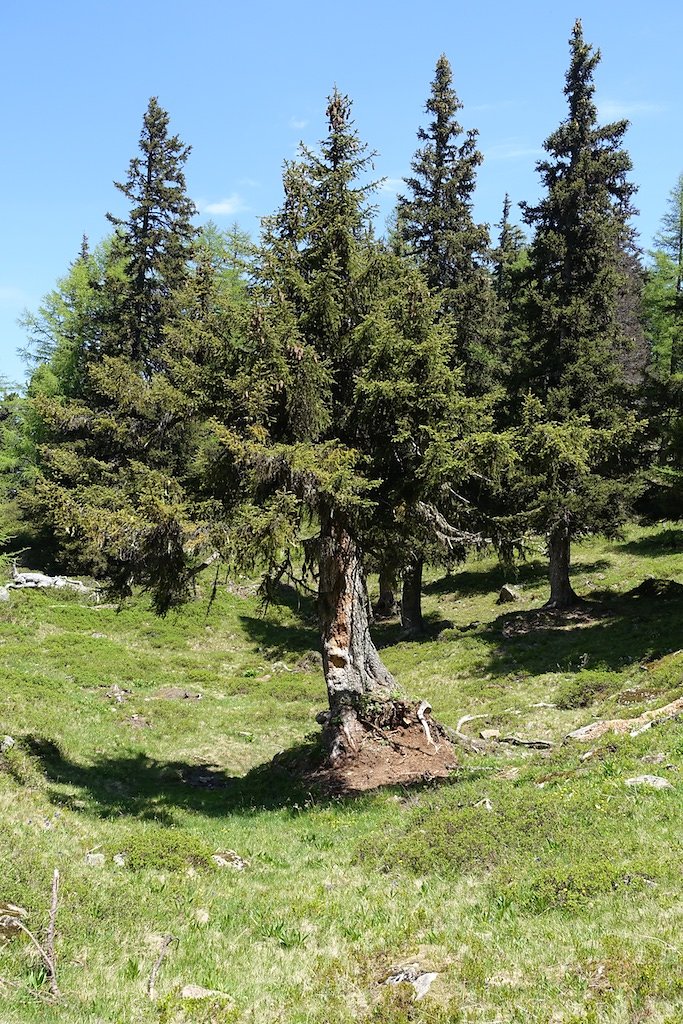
[{"x": 535, "y": 884}]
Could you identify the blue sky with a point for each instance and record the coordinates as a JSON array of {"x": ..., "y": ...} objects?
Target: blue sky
[{"x": 244, "y": 82}]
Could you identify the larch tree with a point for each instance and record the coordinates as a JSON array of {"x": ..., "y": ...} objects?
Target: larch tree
[
  {"x": 663, "y": 321},
  {"x": 576, "y": 433}
]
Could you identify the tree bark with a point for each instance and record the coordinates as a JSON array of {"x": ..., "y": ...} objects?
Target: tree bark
[
  {"x": 559, "y": 548},
  {"x": 386, "y": 606},
  {"x": 411, "y": 599},
  {"x": 353, "y": 668}
]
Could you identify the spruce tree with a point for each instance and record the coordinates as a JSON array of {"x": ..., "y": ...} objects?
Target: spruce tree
[
  {"x": 154, "y": 241},
  {"x": 111, "y": 426},
  {"x": 450, "y": 248},
  {"x": 367, "y": 401},
  {"x": 576, "y": 433},
  {"x": 438, "y": 231}
]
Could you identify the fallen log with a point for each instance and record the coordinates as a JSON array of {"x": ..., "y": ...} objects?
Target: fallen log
[
  {"x": 630, "y": 726},
  {"x": 41, "y": 580}
]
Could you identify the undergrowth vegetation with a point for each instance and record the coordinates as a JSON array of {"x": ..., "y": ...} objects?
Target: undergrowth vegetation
[{"x": 149, "y": 752}]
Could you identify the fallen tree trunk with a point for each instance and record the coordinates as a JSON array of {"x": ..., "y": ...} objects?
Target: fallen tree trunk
[
  {"x": 40, "y": 580},
  {"x": 632, "y": 726}
]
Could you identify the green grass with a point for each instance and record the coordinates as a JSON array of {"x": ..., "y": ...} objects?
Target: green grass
[{"x": 560, "y": 904}]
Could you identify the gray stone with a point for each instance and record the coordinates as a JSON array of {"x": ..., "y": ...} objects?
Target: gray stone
[
  {"x": 653, "y": 781},
  {"x": 508, "y": 594},
  {"x": 4, "y": 594},
  {"x": 197, "y": 992},
  {"x": 423, "y": 984},
  {"x": 490, "y": 734},
  {"x": 6, "y": 743}
]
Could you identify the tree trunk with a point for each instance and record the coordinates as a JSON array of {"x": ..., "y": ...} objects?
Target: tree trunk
[
  {"x": 561, "y": 592},
  {"x": 353, "y": 668},
  {"x": 386, "y": 607},
  {"x": 411, "y": 599}
]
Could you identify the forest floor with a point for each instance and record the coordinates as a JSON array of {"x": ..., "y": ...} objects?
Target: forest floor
[{"x": 534, "y": 884}]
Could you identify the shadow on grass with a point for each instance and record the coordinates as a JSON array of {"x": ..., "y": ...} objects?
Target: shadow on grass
[
  {"x": 607, "y": 634},
  {"x": 668, "y": 542},
  {"x": 278, "y": 641},
  {"x": 471, "y": 583},
  {"x": 142, "y": 787}
]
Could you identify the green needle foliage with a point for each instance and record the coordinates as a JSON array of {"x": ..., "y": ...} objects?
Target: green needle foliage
[
  {"x": 576, "y": 433},
  {"x": 437, "y": 224}
]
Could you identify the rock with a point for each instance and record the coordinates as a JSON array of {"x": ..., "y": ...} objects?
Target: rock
[
  {"x": 201, "y": 916},
  {"x": 490, "y": 734},
  {"x": 312, "y": 661},
  {"x": 4, "y": 594},
  {"x": 229, "y": 859},
  {"x": 10, "y": 919},
  {"x": 197, "y": 992},
  {"x": 116, "y": 693},
  {"x": 119, "y": 860},
  {"x": 6, "y": 743},
  {"x": 653, "y": 781},
  {"x": 508, "y": 594},
  {"x": 95, "y": 860},
  {"x": 423, "y": 984},
  {"x": 655, "y": 759},
  {"x": 412, "y": 974}
]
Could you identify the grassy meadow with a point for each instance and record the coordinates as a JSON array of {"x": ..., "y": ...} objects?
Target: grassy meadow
[{"x": 557, "y": 901}]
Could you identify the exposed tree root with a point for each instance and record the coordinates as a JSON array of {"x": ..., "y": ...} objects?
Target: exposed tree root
[{"x": 390, "y": 743}]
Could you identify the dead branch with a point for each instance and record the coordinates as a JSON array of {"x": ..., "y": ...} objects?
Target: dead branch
[
  {"x": 517, "y": 741},
  {"x": 632, "y": 726},
  {"x": 50, "y": 942},
  {"x": 151, "y": 984},
  {"x": 420, "y": 711},
  {"x": 44, "y": 957},
  {"x": 41, "y": 580},
  {"x": 209, "y": 560},
  {"x": 449, "y": 535}
]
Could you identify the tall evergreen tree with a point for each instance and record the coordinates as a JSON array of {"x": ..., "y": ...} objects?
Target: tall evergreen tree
[
  {"x": 435, "y": 220},
  {"x": 664, "y": 290},
  {"x": 370, "y": 411},
  {"x": 106, "y": 328},
  {"x": 154, "y": 241},
  {"x": 576, "y": 431}
]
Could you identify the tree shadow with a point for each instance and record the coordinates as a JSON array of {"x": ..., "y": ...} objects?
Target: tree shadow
[
  {"x": 668, "y": 542},
  {"x": 606, "y": 633},
  {"x": 280, "y": 641},
  {"x": 471, "y": 583},
  {"x": 142, "y": 787}
]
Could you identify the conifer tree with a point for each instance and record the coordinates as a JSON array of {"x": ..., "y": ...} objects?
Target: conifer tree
[
  {"x": 663, "y": 320},
  {"x": 154, "y": 241},
  {"x": 576, "y": 432},
  {"x": 451, "y": 250},
  {"x": 106, "y": 328},
  {"x": 438, "y": 231}
]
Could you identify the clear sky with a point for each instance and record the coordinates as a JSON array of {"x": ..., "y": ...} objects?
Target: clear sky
[{"x": 245, "y": 81}]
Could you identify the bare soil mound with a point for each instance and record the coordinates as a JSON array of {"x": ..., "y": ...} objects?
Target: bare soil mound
[{"x": 401, "y": 756}]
